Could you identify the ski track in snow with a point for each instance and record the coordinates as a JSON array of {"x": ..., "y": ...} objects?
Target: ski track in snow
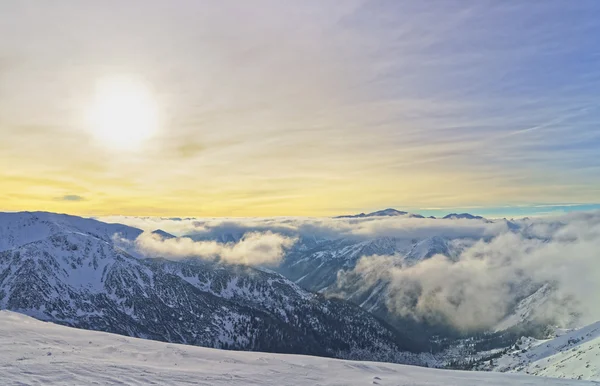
[{"x": 41, "y": 353}]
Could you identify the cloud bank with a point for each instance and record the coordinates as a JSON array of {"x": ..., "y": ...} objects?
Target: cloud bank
[
  {"x": 496, "y": 264},
  {"x": 253, "y": 248},
  {"x": 361, "y": 228},
  {"x": 480, "y": 287}
]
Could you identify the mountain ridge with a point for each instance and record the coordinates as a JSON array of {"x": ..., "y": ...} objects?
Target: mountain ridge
[
  {"x": 389, "y": 212},
  {"x": 68, "y": 270}
]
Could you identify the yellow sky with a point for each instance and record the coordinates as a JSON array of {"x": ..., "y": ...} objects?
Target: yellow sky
[{"x": 302, "y": 109}]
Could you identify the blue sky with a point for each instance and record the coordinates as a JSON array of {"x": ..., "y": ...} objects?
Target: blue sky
[
  {"x": 512, "y": 211},
  {"x": 304, "y": 107}
]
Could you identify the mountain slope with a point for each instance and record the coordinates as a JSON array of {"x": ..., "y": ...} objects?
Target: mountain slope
[
  {"x": 316, "y": 267},
  {"x": 524, "y": 311},
  {"x": 35, "y": 353},
  {"x": 574, "y": 355},
  {"x": 328, "y": 267},
  {"x": 69, "y": 271},
  {"x": 18, "y": 229},
  {"x": 428, "y": 247}
]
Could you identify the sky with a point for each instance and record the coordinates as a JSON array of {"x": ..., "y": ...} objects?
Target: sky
[{"x": 300, "y": 108}]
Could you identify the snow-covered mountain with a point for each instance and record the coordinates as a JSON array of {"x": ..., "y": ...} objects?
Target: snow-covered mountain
[
  {"x": 428, "y": 247},
  {"x": 316, "y": 266},
  {"x": 17, "y": 229},
  {"x": 467, "y": 216},
  {"x": 574, "y": 355},
  {"x": 36, "y": 353},
  {"x": 69, "y": 270},
  {"x": 327, "y": 266},
  {"x": 383, "y": 213},
  {"x": 74, "y": 271},
  {"x": 524, "y": 311},
  {"x": 390, "y": 212}
]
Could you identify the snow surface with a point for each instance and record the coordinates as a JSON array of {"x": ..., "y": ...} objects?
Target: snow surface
[
  {"x": 41, "y": 353},
  {"x": 575, "y": 354}
]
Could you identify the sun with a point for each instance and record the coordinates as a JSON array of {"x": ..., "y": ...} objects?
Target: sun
[{"x": 122, "y": 113}]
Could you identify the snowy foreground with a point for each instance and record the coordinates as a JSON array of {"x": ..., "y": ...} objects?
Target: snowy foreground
[
  {"x": 39, "y": 353},
  {"x": 574, "y": 354}
]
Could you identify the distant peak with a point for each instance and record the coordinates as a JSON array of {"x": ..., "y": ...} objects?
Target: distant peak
[
  {"x": 467, "y": 216},
  {"x": 389, "y": 212},
  {"x": 163, "y": 234}
]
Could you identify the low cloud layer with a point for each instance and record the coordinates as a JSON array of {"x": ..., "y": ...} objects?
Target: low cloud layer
[
  {"x": 361, "y": 228},
  {"x": 254, "y": 248},
  {"x": 495, "y": 264},
  {"x": 480, "y": 287}
]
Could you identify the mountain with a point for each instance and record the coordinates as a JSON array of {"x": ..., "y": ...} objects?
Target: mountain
[
  {"x": 574, "y": 355},
  {"x": 224, "y": 238},
  {"x": 162, "y": 234},
  {"x": 17, "y": 229},
  {"x": 524, "y": 311},
  {"x": 70, "y": 271},
  {"x": 327, "y": 266},
  {"x": 428, "y": 247},
  {"x": 316, "y": 266},
  {"x": 36, "y": 353},
  {"x": 320, "y": 267},
  {"x": 457, "y": 216},
  {"x": 383, "y": 213}
]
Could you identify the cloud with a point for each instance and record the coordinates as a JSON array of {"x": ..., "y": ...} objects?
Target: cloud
[
  {"x": 361, "y": 228},
  {"x": 71, "y": 197},
  {"x": 378, "y": 102},
  {"x": 480, "y": 287},
  {"x": 253, "y": 248},
  {"x": 494, "y": 264}
]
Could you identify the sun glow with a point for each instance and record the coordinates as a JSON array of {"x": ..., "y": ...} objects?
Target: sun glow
[{"x": 123, "y": 113}]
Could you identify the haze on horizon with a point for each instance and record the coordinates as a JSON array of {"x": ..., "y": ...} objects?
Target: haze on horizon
[{"x": 306, "y": 108}]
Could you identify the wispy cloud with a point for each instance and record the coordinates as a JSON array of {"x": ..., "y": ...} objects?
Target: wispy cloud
[
  {"x": 71, "y": 197},
  {"x": 324, "y": 105}
]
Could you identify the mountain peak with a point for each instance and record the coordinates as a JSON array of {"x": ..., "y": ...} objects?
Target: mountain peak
[
  {"x": 468, "y": 216},
  {"x": 389, "y": 212},
  {"x": 163, "y": 234}
]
